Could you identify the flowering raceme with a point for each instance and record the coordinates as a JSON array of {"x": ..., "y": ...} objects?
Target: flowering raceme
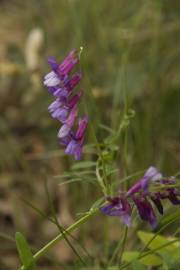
[
  {"x": 61, "y": 84},
  {"x": 142, "y": 197}
]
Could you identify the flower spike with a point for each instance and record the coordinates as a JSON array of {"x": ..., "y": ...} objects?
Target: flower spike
[{"x": 64, "y": 108}]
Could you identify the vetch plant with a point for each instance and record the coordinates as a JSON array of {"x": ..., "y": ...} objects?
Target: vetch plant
[{"x": 148, "y": 193}]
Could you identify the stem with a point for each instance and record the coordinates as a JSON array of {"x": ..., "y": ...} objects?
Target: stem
[
  {"x": 60, "y": 236},
  {"x": 123, "y": 243}
]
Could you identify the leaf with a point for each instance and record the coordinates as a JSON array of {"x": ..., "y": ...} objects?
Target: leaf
[
  {"x": 170, "y": 252},
  {"x": 149, "y": 260},
  {"x": 136, "y": 265},
  {"x": 25, "y": 253},
  {"x": 157, "y": 242},
  {"x": 129, "y": 256}
]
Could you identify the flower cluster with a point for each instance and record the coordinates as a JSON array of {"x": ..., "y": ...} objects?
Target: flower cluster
[
  {"x": 61, "y": 83},
  {"x": 142, "y": 197}
]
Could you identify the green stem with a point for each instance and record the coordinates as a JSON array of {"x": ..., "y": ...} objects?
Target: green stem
[
  {"x": 60, "y": 236},
  {"x": 123, "y": 243}
]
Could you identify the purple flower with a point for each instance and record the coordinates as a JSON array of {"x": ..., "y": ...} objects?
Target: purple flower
[
  {"x": 66, "y": 66},
  {"x": 51, "y": 79},
  {"x": 73, "y": 82},
  {"x": 156, "y": 199},
  {"x": 53, "y": 63},
  {"x": 118, "y": 207},
  {"x": 65, "y": 87},
  {"x": 61, "y": 93},
  {"x": 151, "y": 175},
  {"x": 74, "y": 147},
  {"x": 73, "y": 100},
  {"x": 61, "y": 71},
  {"x": 60, "y": 108},
  {"x": 69, "y": 62},
  {"x": 57, "y": 111},
  {"x": 69, "y": 122},
  {"x": 173, "y": 196},
  {"x": 145, "y": 210}
]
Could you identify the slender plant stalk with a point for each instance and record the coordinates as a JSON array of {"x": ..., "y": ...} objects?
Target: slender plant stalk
[
  {"x": 123, "y": 244},
  {"x": 60, "y": 236},
  {"x": 115, "y": 253}
]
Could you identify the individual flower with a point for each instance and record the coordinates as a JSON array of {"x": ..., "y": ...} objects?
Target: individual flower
[
  {"x": 75, "y": 144},
  {"x": 151, "y": 175},
  {"x": 64, "y": 89},
  {"x": 68, "y": 123},
  {"x": 118, "y": 207},
  {"x": 145, "y": 210},
  {"x": 61, "y": 107},
  {"x": 60, "y": 72},
  {"x": 51, "y": 79},
  {"x": 156, "y": 199}
]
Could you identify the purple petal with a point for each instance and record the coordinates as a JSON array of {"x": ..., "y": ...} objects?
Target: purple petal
[
  {"x": 52, "y": 89},
  {"x": 72, "y": 148},
  {"x": 65, "y": 140},
  {"x": 51, "y": 79},
  {"x": 145, "y": 210},
  {"x": 53, "y": 63},
  {"x": 134, "y": 189},
  {"x": 110, "y": 211},
  {"x": 60, "y": 93},
  {"x": 64, "y": 131},
  {"x": 82, "y": 127},
  {"x": 157, "y": 203},
  {"x": 70, "y": 84},
  {"x": 126, "y": 219},
  {"x": 119, "y": 207},
  {"x": 78, "y": 152},
  {"x": 69, "y": 62},
  {"x": 60, "y": 114},
  {"x": 173, "y": 197},
  {"x": 54, "y": 105},
  {"x": 74, "y": 100},
  {"x": 152, "y": 174},
  {"x": 72, "y": 116}
]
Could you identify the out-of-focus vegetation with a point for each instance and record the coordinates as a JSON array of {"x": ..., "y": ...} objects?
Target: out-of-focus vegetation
[{"x": 131, "y": 55}]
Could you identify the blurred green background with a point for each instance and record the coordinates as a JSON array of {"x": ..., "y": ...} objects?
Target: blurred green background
[{"x": 130, "y": 48}]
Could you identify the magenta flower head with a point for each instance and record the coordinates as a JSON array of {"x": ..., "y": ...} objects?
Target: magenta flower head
[{"x": 60, "y": 83}]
